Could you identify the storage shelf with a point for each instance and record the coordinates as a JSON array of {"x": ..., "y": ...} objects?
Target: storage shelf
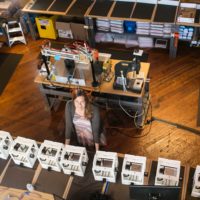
[{"x": 158, "y": 13}]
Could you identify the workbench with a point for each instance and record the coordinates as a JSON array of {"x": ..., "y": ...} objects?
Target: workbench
[{"x": 104, "y": 93}]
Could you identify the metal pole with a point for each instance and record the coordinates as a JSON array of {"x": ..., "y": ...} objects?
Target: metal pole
[
  {"x": 46, "y": 66},
  {"x": 95, "y": 83}
]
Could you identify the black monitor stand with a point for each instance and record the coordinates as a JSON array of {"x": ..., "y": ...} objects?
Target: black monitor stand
[{"x": 95, "y": 83}]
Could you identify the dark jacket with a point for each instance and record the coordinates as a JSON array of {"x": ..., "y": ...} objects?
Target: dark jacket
[{"x": 95, "y": 121}]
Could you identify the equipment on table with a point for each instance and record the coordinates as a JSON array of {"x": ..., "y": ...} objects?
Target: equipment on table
[
  {"x": 126, "y": 76},
  {"x": 136, "y": 65},
  {"x": 133, "y": 170},
  {"x": 76, "y": 63},
  {"x": 105, "y": 166},
  {"x": 121, "y": 70},
  {"x": 74, "y": 160},
  {"x": 5, "y": 144},
  {"x": 49, "y": 155},
  {"x": 24, "y": 151},
  {"x": 196, "y": 183},
  {"x": 135, "y": 85},
  {"x": 168, "y": 172}
]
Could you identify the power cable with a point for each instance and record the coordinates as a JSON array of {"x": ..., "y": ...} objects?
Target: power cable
[
  {"x": 128, "y": 113},
  {"x": 149, "y": 122}
]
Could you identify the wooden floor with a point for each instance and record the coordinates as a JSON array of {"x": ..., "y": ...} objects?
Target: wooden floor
[{"x": 174, "y": 89}]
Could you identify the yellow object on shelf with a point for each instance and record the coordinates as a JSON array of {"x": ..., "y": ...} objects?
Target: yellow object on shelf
[{"x": 46, "y": 27}]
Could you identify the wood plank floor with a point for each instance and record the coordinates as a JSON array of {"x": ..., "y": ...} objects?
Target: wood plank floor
[{"x": 174, "y": 89}]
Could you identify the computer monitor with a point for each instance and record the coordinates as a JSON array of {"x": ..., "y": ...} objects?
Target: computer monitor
[{"x": 154, "y": 192}]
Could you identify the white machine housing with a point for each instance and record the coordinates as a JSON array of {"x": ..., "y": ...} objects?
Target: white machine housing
[
  {"x": 5, "y": 144},
  {"x": 24, "y": 151},
  {"x": 74, "y": 160},
  {"x": 168, "y": 172},
  {"x": 196, "y": 183},
  {"x": 133, "y": 170},
  {"x": 105, "y": 166},
  {"x": 49, "y": 155}
]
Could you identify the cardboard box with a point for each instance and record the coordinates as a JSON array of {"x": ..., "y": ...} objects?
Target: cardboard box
[
  {"x": 79, "y": 32},
  {"x": 187, "y": 12},
  {"x": 64, "y": 29},
  {"x": 187, "y": 15},
  {"x": 62, "y": 25}
]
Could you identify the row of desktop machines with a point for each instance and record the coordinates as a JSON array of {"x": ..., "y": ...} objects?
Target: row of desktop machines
[{"x": 73, "y": 160}]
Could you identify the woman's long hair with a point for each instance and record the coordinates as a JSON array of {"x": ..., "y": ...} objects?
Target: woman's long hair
[{"x": 88, "y": 108}]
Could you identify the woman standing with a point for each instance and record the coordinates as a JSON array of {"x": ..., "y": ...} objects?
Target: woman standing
[{"x": 83, "y": 118}]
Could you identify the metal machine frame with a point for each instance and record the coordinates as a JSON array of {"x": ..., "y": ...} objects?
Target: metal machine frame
[
  {"x": 133, "y": 170},
  {"x": 49, "y": 155},
  {"x": 24, "y": 152},
  {"x": 5, "y": 144},
  {"x": 74, "y": 160},
  {"x": 196, "y": 183},
  {"x": 168, "y": 172},
  {"x": 105, "y": 166}
]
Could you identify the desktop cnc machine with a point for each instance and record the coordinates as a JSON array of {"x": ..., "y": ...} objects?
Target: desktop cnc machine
[
  {"x": 133, "y": 170},
  {"x": 24, "y": 151},
  {"x": 105, "y": 166},
  {"x": 196, "y": 183},
  {"x": 74, "y": 160},
  {"x": 168, "y": 172},
  {"x": 49, "y": 155},
  {"x": 5, "y": 144}
]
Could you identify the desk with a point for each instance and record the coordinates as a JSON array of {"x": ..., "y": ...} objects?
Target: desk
[
  {"x": 17, "y": 194},
  {"x": 137, "y": 102}
]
